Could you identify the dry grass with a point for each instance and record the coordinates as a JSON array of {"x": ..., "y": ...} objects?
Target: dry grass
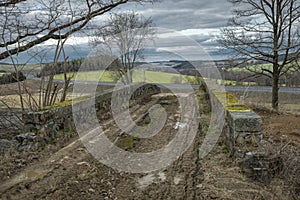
[
  {"x": 30, "y": 101},
  {"x": 224, "y": 180},
  {"x": 288, "y": 102},
  {"x": 12, "y": 88},
  {"x": 290, "y": 173}
]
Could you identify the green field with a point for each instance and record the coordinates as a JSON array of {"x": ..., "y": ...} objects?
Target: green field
[
  {"x": 138, "y": 76},
  {"x": 10, "y": 68},
  {"x": 256, "y": 67},
  {"x": 251, "y": 67},
  {"x": 141, "y": 76},
  {"x": 159, "y": 77}
]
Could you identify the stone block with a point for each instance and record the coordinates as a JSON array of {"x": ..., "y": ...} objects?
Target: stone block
[
  {"x": 244, "y": 128},
  {"x": 245, "y": 121}
]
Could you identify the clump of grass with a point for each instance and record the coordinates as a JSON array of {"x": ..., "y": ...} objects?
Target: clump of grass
[
  {"x": 226, "y": 149},
  {"x": 126, "y": 143}
]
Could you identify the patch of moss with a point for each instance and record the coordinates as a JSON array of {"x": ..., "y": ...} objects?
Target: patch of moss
[
  {"x": 226, "y": 98},
  {"x": 226, "y": 149},
  {"x": 230, "y": 102},
  {"x": 231, "y": 99},
  {"x": 126, "y": 143},
  {"x": 238, "y": 108},
  {"x": 64, "y": 103}
]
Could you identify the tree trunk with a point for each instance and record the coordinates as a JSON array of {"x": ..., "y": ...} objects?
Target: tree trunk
[
  {"x": 275, "y": 92},
  {"x": 130, "y": 76}
]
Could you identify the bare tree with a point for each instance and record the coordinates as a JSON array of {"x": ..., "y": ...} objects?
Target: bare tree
[
  {"x": 125, "y": 36},
  {"x": 27, "y": 23},
  {"x": 268, "y": 31}
]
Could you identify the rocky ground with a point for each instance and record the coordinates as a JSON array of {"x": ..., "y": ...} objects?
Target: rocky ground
[{"x": 64, "y": 169}]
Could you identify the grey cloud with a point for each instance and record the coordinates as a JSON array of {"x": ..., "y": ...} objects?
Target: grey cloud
[
  {"x": 177, "y": 15},
  {"x": 187, "y": 14},
  {"x": 181, "y": 15}
]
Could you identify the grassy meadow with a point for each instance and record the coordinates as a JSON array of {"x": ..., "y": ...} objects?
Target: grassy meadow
[
  {"x": 138, "y": 76},
  {"x": 141, "y": 76},
  {"x": 10, "y": 68},
  {"x": 257, "y": 67}
]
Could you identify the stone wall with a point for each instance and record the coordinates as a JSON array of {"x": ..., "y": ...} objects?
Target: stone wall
[
  {"x": 243, "y": 130},
  {"x": 60, "y": 117},
  {"x": 243, "y": 135},
  {"x": 11, "y": 118}
]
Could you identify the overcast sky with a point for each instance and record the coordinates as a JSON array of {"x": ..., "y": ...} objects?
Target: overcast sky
[
  {"x": 199, "y": 20},
  {"x": 188, "y": 14}
]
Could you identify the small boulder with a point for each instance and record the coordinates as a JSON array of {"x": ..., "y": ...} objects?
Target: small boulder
[{"x": 26, "y": 138}]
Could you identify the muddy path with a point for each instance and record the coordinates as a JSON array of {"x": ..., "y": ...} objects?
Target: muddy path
[{"x": 73, "y": 173}]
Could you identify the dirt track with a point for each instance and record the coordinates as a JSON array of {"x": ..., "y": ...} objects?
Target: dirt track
[{"x": 72, "y": 173}]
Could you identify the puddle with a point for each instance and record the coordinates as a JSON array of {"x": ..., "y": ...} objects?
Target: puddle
[
  {"x": 177, "y": 179},
  {"x": 145, "y": 181}
]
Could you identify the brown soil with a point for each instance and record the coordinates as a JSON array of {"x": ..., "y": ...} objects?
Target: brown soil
[
  {"x": 281, "y": 128},
  {"x": 31, "y": 86},
  {"x": 72, "y": 173}
]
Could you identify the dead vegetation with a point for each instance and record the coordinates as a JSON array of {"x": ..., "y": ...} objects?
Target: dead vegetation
[{"x": 224, "y": 179}]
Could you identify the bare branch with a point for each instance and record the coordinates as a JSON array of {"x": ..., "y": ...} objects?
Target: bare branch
[
  {"x": 126, "y": 33},
  {"x": 268, "y": 31},
  {"x": 29, "y": 23}
]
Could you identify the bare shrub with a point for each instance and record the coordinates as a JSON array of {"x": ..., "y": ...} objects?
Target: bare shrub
[{"x": 290, "y": 173}]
